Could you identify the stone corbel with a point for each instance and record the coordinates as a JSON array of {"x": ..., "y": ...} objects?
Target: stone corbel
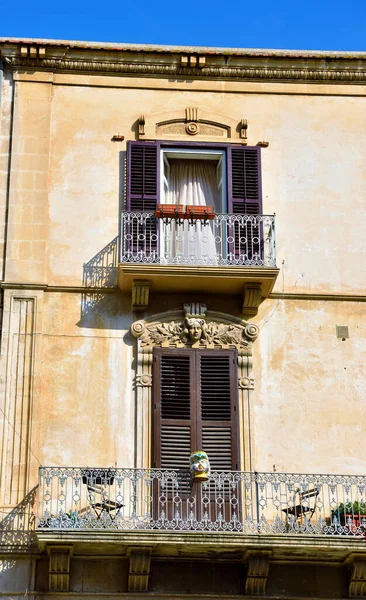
[
  {"x": 243, "y": 126},
  {"x": 138, "y": 576},
  {"x": 141, "y": 126},
  {"x": 258, "y": 569},
  {"x": 357, "y": 578},
  {"x": 140, "y": 295},
  {"x": 59, "y": 568},
  {"x": 252, "y": 298}
]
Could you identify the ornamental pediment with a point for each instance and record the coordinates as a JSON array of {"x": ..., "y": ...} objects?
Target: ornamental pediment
[{"x": 196, "y": 328}]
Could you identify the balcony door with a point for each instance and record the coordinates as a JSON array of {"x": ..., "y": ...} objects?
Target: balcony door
[
  {"x": 195, "y": 407},
  {"x": 192, "y": 178}
]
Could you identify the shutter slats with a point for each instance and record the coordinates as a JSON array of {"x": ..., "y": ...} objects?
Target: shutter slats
[
  {"x": 175, "y": 387},
  {"x": 175, "y": 447},
  {"x": 217, "y": 442},
  {"x": 215, "y": 388}
]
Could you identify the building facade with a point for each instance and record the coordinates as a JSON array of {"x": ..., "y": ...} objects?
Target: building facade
[{"x": 182, "y": 273}]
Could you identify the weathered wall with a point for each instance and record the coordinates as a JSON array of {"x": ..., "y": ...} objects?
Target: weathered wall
[{"x": 66, "y": 192}]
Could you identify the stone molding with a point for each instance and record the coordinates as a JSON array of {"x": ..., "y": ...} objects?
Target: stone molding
[
  {"x": 322, "y": 74},
  {"x": 198, "y": 328},
  {"x": 257, "y": 573},
  {"x": 138, "y": 576}
]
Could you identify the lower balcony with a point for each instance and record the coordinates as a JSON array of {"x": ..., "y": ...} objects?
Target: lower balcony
[
  {"x": 253, "y": 504},
  {"x": 220, "y": 254}
]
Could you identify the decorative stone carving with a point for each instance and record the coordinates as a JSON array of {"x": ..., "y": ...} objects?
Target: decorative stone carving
[
  {"x": 192, "y": 128},
  {"x": 138, "y": 577},
  {"x": 191, "y": 114},
  {"x": 199, "y": 128},
  {"x": 141, "y": 125},
  {"x": 243, "y": 129},
  {"x": 258, "y": 569},
  {"x": 192, "y": 327},
  {"x": 144, "y": 380},
  {"x": 140, "y": 295},
  {"x": 197, "y": 332},
  {"x": 246, "y": 383},
  {"x": 59, "y": 568},
  {"x": 252, "y": 298},
  {"x": 357, "y": 581}
]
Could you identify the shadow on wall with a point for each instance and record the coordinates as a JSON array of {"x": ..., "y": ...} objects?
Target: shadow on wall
[
  {"x": 103, "y": 304},
  {"x": 17, "y": 528}
]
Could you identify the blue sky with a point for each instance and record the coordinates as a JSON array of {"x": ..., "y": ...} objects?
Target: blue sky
[{"x": 311, "y": 24}]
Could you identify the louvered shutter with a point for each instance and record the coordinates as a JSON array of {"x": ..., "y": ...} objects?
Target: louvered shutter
[
  {"x": 174, "y": 431},
  {"x": 217, "y": 410},
  {"x": 195, "y": 407},
  {"x": 143, "y": 179},
  {"x": 142, "y": 176},
  {"x": 245, "y": 198}
]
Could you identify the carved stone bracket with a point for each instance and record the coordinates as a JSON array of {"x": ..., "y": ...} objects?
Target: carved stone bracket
[
  {"x": 138, "y": 577},
  {"x": 357, "y": 580},
  {"x": 59, "y": 567},
  {"x": 258, "y": 569},
  {"x": 140, "y": 295},
  {"x": 252, "y": 298}
]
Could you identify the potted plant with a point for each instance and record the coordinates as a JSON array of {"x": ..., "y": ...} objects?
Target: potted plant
[{"x": 350, "y": 513}]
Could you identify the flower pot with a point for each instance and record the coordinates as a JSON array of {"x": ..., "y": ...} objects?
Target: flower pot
[{"x": 199, "y": 466}]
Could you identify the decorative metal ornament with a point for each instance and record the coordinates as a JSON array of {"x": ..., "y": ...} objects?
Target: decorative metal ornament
[{"x": 199, "y": 466}]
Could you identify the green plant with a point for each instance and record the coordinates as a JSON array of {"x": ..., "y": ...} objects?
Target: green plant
[{"x": 349, "y": 508}]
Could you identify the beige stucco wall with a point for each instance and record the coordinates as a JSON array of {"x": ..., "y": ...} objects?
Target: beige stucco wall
[{"x": 65, "y": 196}]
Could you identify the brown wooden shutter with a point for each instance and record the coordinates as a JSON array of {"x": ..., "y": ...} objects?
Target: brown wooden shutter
[
  {"x": 217, "y": 414},
  {"x": 195, "y": 407},
  {"x": 174, "y": 431}
]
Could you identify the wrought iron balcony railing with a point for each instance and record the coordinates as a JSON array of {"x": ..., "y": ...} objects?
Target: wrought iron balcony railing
[
  {"x": 226, "y": 240},
  {"x": 152, "y": 499}
]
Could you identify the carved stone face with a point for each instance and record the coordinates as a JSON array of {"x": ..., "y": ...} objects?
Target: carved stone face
[{"x": 195, "y": 329}]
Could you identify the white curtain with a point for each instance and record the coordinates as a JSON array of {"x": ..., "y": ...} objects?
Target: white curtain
[{"x": 191, "y": 182}]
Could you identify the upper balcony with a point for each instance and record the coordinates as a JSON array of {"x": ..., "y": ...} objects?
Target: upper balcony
[{"x": 218, "y": 254}]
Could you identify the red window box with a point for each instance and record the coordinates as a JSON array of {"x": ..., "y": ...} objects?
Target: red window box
[
  {"x": 200, "y": 212},
  {"x": 173, "y": 211}
]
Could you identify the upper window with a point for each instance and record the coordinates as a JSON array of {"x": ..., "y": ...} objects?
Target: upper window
[{"x": 223, "y": 176}]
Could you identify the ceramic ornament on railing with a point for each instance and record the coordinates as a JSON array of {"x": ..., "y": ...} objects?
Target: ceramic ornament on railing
[{"x": 199, "y": 466}]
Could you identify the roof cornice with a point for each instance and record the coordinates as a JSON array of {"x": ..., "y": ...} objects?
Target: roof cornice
[{"x": 176, "y": 61}]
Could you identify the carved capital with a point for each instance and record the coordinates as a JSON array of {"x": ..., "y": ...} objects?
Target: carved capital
[
  {"x": 138, "y": 577},
  {"x": 59, "y": 568},
  {"x": 258, "y": 569},
  {"x": 357, "y": 579}
]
